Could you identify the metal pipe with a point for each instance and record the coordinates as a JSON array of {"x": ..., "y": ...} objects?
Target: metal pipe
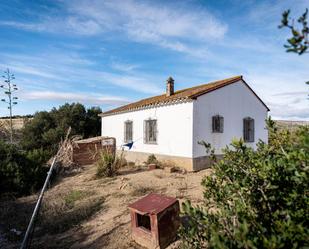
[{"x": 24, "y": 244}]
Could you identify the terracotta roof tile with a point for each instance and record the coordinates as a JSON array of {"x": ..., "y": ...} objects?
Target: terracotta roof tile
[{"x": 184, "y": 94}]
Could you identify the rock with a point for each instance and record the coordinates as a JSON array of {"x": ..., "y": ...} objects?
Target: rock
[
  {"x": 170, "y": 169},
  {"x": 152, "y": 166},
  {"x": 183, "y": 171}
]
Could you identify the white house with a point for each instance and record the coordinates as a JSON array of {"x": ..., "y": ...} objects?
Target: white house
[{"x": 170, "y": 125}]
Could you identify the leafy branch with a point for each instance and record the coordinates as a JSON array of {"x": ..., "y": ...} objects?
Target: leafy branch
[{"x": 299, "y": 42}]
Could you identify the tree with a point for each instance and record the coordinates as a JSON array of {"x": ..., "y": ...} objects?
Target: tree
[
  {"x": 299, "y": 42},
  {"x": 46, "y": 129},
  {"x": 93, "y": 122},
  {"x": 254, "y": 199},
  {"x": 11, "y": 100}
]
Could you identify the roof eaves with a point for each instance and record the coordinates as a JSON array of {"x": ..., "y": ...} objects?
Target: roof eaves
[{"x": 152, "y": 105}]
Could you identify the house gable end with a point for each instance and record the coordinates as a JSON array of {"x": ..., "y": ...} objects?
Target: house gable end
[{"x": 237, "y": 80}]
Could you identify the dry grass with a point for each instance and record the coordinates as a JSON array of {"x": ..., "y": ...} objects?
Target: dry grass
[
  {"x": 58, "y": 213},
  {"x": 64, "y": 212},
  {"x": 82, "y": 211},
  {"x": 140, "y": 191}
]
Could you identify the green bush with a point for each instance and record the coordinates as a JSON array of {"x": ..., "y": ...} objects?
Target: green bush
[
  {"x": 72, "y": 197},
  {"x": 108, "y": 164},
  {"x": 254, "y": 199},
  {"x": 46, "y": 129},
  {"x": 152, "y": 159},
  {"x": 21, "y": 172},
  {"x": 22, "y": 166}
]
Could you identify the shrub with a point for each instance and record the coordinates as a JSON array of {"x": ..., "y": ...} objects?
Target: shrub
[
  {"x": 72, "y": 197},
  {"x": 46, "y": 129},
  {"x": 21, "y": 172},
  {"x": 108, "y": 164},
  {"x": 254, "y": 199},
  {"x": 152, "y": 159}
]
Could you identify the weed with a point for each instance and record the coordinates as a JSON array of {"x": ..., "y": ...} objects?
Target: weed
[
  {"x": 72, "y": 197},
  {"x": 152, "y": 159},
  {"x": 108, "y": 164},
  {"x": 140, "y": 191}
]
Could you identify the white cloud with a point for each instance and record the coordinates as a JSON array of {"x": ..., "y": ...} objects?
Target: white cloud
[
  {"x": 289, "y": 94},
  {"x": 22, "y": 68},
  {"x": 71, "y": 24},
  {"x": 290, "y": 111},
  {"x": 124, "y": 67},
  {"x": 175, "y": 27},
  {"x": 62, "y": 72},
  {"x": 77, "y": 97}
]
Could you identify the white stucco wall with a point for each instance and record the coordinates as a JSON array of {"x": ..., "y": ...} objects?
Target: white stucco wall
[
  {"x": 174, "y": 125},
  {"x": 234, "y": 102}
]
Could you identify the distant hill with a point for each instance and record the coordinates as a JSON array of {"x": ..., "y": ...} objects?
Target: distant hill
[
  {"x": 291, "y": 125},
  {"x": 17, "y": 116},
  {"x": 18, "y": 124}
]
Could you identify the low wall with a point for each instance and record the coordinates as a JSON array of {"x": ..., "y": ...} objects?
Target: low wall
[{"x": 87, "y": 151}]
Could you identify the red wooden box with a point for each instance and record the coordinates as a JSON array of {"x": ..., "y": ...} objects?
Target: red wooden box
[{"x": 155, "y": 220}]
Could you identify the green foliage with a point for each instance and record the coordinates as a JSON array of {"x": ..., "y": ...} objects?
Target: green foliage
[
  {"x": 255, "y": 199},
  {"x": 93, "y": 125},
  {"x": 299, "y": 42},
  {"x": 46, "y": 129},
  {"x": 72, "y": 197},
  {"x": 21, "y": 172},
  {"x": 152, "y": 159},
  {"x": 108, "y": 164},
  {"x": 22, "y": 169}
]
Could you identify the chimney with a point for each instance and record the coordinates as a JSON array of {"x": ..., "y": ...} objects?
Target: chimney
[{"x": 169, "y": 86}]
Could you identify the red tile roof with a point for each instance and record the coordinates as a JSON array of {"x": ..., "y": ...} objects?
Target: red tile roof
[{"x": 184, "y": 94}]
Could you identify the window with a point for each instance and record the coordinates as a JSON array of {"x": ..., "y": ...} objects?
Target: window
[
  {"x": 128, "y": 131},
  {"x": 150, "y": 131},
  {"x": 217, "y": 124},
  {"x": 143, "y": 221},
  {"x": 249, "y": 130}
]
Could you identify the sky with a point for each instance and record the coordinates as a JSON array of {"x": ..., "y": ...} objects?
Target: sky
[{"x": 111, "y": 52}]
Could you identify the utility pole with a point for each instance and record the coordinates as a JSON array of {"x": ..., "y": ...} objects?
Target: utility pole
[{"x": 11, "y": 100}]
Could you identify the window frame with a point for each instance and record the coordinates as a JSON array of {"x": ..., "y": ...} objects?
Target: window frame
[
  {"x": 248, "y": 130},
  {"x": 126, "y": 140},
  {"x": 146, "y": 136},
  {"x": 220, "y": 119}
]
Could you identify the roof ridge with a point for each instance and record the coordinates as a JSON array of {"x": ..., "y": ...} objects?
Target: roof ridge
[
  {"x": 186, "y": 93},
  {"x": 212, "y": 82}
]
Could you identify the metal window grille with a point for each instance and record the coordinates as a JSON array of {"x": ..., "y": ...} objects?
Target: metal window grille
[
  {"x": 150, "y": 131},
  {"x": 248, "y": 130},
  {"x": 217, "y": 124},
  {"x": 128, "y": 131}
]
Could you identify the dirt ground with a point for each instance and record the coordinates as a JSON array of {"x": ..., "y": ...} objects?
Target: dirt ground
[{"x": 109, "y": 227}]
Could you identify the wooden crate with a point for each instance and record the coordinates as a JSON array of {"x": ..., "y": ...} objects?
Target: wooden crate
[{"x": 86, "y": 151}]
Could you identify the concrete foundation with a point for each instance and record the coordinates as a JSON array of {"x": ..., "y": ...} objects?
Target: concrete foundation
[{"x": 190, "y": 164}]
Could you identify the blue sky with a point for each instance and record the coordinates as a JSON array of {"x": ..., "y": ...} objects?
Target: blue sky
[{"x": 108, "y": 53}]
